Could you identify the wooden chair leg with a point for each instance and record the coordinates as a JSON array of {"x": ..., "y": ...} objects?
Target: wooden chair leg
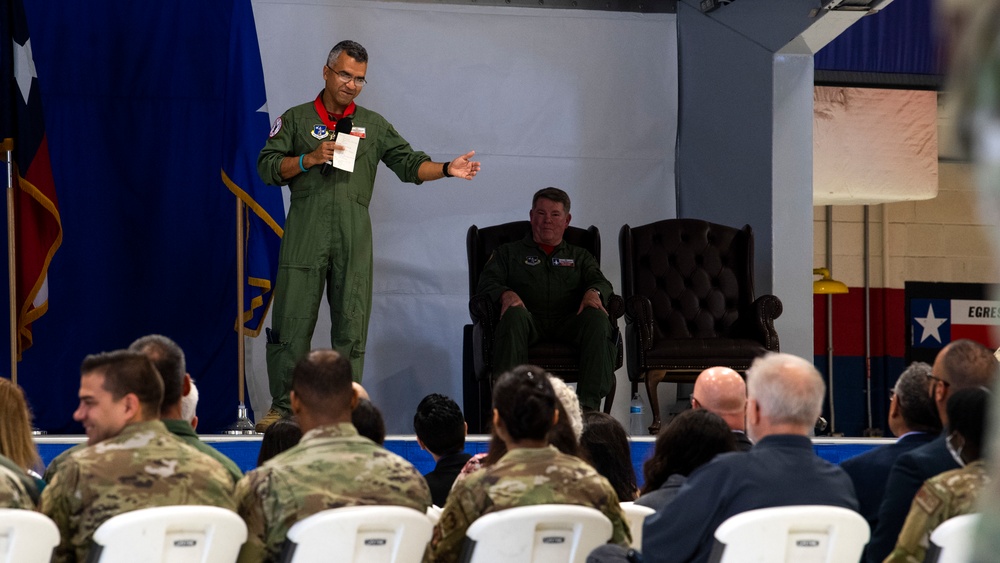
[
  {"x": 610, "y": 398},
  {"x": 653, "y": 378}
]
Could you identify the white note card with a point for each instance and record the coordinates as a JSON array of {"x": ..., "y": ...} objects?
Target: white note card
[{"x": 344, "y": 159}]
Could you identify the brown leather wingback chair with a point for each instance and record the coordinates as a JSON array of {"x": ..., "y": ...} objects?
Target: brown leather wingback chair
[
  {"x": 689, "y": 303},
  {"x": 558, "y": 359}
]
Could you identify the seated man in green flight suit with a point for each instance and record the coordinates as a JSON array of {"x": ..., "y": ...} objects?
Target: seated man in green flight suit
[{"x": 551, "y": 290}]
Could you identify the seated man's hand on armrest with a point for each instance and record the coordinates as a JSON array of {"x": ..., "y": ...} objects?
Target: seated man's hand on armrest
[
  {"x": 509, "y": 299},
  {"x": 591, "y": 298}
]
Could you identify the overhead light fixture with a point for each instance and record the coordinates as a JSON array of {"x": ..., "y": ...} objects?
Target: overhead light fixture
[{"x": 827, "y": 285}]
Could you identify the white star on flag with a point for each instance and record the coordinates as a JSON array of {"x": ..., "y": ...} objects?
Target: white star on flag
[
  {"x": 24, "y": 68},
  {"x": 931, "y": 325}
]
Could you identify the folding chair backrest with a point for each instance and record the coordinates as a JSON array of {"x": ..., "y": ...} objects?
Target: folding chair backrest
[
  {"x": 550, "y": 533},
  {"x": 951, "y": 542},
  {"x": 26, "y": 536},
  {"x": 359, "y": 534},
  {"x": 636, "y": 514}
]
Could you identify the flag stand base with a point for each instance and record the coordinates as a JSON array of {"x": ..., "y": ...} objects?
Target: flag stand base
[{"x": 242, "y": 426}]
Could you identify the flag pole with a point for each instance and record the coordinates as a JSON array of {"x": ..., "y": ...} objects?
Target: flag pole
[
  {"x": 242, "y": 424},
  {"x": 11, "y": 266}
]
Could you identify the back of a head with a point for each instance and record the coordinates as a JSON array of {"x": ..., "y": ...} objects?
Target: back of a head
[
  {"x": 787, "y": 388},
  {"x": 323, "y": 384},
  {"x": 168, "y": 358},
  {"x": 723, "y": 391},
  {"x": 914, "y": 402},
  {"x": 440, "y": 425},
  {"x": 16, "y": 442},
  {"x": 279, "y": 436},
  {"x": 525, "y": 402},
  {"x": 127, "y": 372},
  {"x": 967, "y": 363},
  {"x": 569, "y": 402},
  {"x": 691, "y": 440},
  {"x": 967, "y": 410},
  {"x": 605, "y": 445},
  {"x": 368, "y": 421}
]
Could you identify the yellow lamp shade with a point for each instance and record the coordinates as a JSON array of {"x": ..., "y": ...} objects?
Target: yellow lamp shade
[{"x": 827, "y": 285}]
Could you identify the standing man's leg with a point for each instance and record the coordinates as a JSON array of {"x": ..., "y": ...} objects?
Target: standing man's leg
[
  {"x": 515, "y": 332},
  {"x": 590, "y": 331},
  {"x": 349, "y": 294}
]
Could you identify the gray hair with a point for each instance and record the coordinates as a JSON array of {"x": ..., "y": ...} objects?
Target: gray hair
[
  {"x": 353, "y": 50},
  {"x": 787, "y": 388},
  {"x": 914, "y": 402},
  {"x": 570, "y": 404}
]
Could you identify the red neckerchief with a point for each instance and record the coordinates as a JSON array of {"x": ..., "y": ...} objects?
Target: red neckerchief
[
  {"x": 330, "y": 119},
  {"x": 546, "y": 248}
]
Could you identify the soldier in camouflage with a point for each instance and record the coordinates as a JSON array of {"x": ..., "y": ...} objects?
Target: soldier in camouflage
[
  {"x": 954, "y": 492},
  {"x": 530, "y": 473},
  {"x": 331, "y": 467},
  {"x": 133, "y": 462},
  {"x": 13, "y": 490}
]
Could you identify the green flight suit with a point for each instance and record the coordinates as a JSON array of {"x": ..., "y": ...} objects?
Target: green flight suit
[
  {"x": 327, "y": 240},
  {"x": 552, "y": 288}
]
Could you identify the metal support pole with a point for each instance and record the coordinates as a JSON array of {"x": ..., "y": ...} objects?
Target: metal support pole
[
  {"x": 12, "y": 265},
  {"x": 829, "y": 318}
]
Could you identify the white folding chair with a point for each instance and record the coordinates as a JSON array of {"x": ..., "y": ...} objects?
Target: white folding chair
[
  {"x": 369, "y": 534},
  {"x": 793, "y": 534},
  {"x": 434, "y": 513},
  {"x": 26, "y": 536},
  {"x": 170, "y": 534},
  {"x": 547, "y": 533},
  {"x": 951, "y": 542},
  {"x": 635, "y": 514}
]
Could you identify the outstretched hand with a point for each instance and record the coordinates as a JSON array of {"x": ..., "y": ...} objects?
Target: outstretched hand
[{"x": 464, "y": 168}]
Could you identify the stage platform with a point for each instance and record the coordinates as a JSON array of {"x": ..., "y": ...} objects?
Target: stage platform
[{"x": 243, "y": 449}]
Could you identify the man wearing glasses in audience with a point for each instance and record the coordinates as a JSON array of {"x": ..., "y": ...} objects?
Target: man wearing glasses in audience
[{"x": 327, "y": 241}]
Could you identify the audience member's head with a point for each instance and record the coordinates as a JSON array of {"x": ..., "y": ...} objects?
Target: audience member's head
[
  {"x": 691, "y": 440},
  {"x": 16, "y": 442},
  {"x": 568, "y": 401},
  {"x": 911, "y": 409},
  {"x": 439, "y": 425},
  {"x": 524, "y": 407},
  {"x": 605, "y": 446},
  {"x": 189, "y": 406},
  {"x": 967, "y": 410},
  {"x": 322, "y": 389},
  {"x": 960, "y": 365},
  {"x": 367, "y": 419},
  {"x": 722, "y": 391},
  {"x": 784, "y": 396},
  {"x": 279, "y": 436},
  {"x": 168, "y": 358},
  {"x": 117, "y": 389}
]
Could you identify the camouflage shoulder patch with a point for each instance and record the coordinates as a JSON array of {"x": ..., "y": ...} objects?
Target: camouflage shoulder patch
[{"x": 927, "y": 500}]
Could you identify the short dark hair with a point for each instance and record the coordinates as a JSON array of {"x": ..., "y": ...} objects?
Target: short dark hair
[
  {"x": 353, "y": 50},
  {"x": 440, "y": 425},
  {"x": 605, "y": 445},
  {"x": 322, "y": 382},
  {"x": 168, "y": 358},
  {"x": 916, "y": 405},
  {"x": 127, "y": 372},
  {"x": 691, "y": 440},
  {"x": 967, "y": 415},
  {"x": 526, "y": 402},
  {"x": 367, "y": 419},
  {"x": 552, "y": 194},
  {"x": 968, "y": 363},
  {"x": 279, "y": 436}
]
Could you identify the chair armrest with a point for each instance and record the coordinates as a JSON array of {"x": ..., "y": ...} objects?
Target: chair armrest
[
  {"x": 639, "y": 312},
  {"x": 481, "y": 309},
  {"x": 615, "y": 307},
  {"x": 765, "y": 309}
]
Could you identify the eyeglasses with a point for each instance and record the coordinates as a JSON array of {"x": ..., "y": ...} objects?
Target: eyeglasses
[
  {"x": 938, "y": 379},
  {"x": 359, "y": 81}
]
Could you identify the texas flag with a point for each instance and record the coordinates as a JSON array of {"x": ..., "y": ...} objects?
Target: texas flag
[{"x": 936, "y": 322}]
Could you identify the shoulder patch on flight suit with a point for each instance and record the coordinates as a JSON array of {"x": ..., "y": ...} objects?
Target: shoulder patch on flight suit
[
  {"x": 927, "y": 501},
  {"x": 275, "y": 127},
  {"x": 532, "y": 260}
]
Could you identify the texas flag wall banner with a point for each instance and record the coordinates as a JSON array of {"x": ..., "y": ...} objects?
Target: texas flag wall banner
[{"x": 940, "y": 313}]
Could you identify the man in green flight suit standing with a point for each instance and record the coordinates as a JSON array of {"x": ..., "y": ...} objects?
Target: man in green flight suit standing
[
  {"x": 328, "y": 234},
  {"x": 551, "y": 290}
]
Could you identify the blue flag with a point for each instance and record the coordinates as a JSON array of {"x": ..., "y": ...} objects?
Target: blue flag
[{"x": 245, "y": 127}]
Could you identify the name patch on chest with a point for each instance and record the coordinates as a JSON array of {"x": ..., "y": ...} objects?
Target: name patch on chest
[
  {"x": 532, "y": 260},
  {"x": 567, "y": 262},
  {"x": 320, "y": 131}
]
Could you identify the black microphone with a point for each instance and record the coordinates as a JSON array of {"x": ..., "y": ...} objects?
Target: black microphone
[{"x": 344, "y": 125}]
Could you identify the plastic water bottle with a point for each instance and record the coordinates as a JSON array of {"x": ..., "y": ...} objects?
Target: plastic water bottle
[{"x": 636, "y": 426}]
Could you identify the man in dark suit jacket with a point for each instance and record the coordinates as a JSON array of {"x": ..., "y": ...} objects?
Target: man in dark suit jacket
[
  {"x": 959, "y": 365},
  {"x": 440, "y": 429},
  {"x": 785, "y": 398},
  {"x": 914, "y": 419},
  {"x": 722, "y": 391}
]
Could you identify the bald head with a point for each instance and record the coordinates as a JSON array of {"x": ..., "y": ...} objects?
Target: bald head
[{"x": 722, "y": 391}]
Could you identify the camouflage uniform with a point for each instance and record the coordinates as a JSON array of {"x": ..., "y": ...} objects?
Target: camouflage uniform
[
  {"x": 142, "y": 467},
  {"x": 332, "y": 466},
  {"x": 944, "y": 496},
  {"x": 523, "y": 477},
  {"x": 183, "y": 430},
  {"x": 13, "y": 492}
]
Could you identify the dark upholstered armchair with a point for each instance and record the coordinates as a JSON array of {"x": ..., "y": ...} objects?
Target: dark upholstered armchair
[
  {"x": 689, "y": 303},
  {"x": 558, "y": 359}
]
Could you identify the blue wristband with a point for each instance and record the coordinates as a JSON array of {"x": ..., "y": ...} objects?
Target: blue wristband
[{"x": 302, "y": 168}]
